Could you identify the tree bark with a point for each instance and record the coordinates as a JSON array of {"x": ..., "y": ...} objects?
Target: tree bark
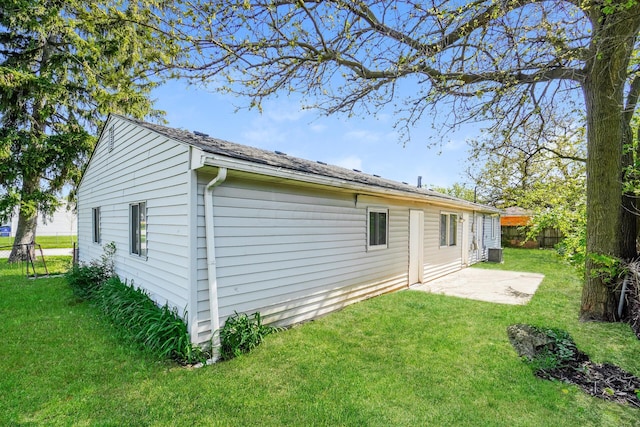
[
  {"x": 611, "y": 48},
  {"x": 25, "y": 235}
]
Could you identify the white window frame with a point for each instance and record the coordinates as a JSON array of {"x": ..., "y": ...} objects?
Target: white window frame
[
  {"x": 377, "y": 246},
  {"x": 138, "y": 229},
  {"x": 450, "y": 236},
  {"x": 95, "y": 225}
]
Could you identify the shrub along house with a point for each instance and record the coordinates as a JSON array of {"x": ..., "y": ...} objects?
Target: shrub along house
[{"x": 213, "y": 227}]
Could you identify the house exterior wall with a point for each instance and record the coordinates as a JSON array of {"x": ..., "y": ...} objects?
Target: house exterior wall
[
  {"x": 474, "y": 228},
  {"x": 440, "y": 260},
  {"x": 295, "y": 253},
  {"x": 63, "y": 222},
  {"x": 141, "y": 167},
  {"x": 491, "y": 233}
]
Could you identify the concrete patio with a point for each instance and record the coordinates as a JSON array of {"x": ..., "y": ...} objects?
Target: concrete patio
[{"x": 498, "y": 286}]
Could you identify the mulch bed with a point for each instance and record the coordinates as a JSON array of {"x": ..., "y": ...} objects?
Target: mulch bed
[{"x": 605, "y": 381}]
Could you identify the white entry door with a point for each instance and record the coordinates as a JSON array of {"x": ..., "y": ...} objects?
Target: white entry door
[{"x": 416, "y": 246}]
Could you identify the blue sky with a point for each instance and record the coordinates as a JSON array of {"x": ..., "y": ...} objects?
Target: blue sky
[{"x": 367, "y": 143}]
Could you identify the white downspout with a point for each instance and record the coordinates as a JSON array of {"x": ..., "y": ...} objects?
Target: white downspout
[{"x": 211, "y": 258}]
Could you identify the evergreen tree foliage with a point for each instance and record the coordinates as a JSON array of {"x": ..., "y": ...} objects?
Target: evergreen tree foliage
[{"x": 63, "y": 66}]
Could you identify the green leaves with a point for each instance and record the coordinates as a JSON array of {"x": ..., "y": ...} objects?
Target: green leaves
[
  {"x": 241, "y": 334},
  {"x": 63, "y": 67},
  {"x": 560, "y": 351},
  {"x": 159, "y": 329}
]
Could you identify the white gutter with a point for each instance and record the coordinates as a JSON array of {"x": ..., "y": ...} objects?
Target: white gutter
[{"x": 211, "y": 258}]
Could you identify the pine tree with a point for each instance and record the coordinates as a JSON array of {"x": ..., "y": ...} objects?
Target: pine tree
[{"x": 63, "y": 66}]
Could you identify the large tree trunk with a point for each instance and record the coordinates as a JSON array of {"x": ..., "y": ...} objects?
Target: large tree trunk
[
  {"x": 604, "y": 202},
  {"x": 27, "y": 222},
  {"x": 603, "y": 90},
  {"x": 25, "y": 235}
]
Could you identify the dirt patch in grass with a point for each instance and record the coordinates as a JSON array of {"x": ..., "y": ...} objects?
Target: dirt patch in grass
[
  {"x": 604, "y": 380},
  {"x": 554, "y": 355}
]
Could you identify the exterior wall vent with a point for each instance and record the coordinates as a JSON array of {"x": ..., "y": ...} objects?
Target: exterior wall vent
[{"x": 111, "y": 138}]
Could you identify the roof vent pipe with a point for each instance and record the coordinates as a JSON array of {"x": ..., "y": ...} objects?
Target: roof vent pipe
[{"x": 419, "y": 181}]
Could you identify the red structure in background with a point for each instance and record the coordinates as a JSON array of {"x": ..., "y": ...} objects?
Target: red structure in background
[
  {"x": 512, "y": 225},
  {"x": 515, "y": 220}
]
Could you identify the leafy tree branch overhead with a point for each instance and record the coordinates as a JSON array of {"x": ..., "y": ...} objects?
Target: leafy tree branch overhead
[
  {"x": 539, "y": 167},
  {"x": 503, "y": 60},
  {"x": 63, "y": 67}
]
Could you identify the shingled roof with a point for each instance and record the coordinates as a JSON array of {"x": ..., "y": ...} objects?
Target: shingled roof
[{"x": 281, "y": 160}]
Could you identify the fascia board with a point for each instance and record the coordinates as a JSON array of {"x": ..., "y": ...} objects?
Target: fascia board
[{"x": 267, "y": 170}]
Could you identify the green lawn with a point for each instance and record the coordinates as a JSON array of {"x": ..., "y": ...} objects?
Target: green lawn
[
  {"x": 407, "y": 358},
  {"x": 47, "y": 242},
  {"x": 54, "y": 265}
]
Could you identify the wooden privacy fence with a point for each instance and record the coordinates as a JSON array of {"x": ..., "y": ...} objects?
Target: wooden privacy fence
[{"x": 516, "y": 237}]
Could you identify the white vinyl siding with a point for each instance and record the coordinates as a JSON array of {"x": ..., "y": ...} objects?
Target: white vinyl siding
[
  {"x": 491, "y": 238},
  {"x": 294, "y": 254},
  {"x": 438, "y": 259},
  {"x": 142, "y": 166}
]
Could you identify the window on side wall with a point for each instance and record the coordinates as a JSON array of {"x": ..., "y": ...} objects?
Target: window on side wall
[
  {"x": 138, "y": 228},
  {"x": 377, "y": 228},
  {"x": 448, "y": 229},
  {"x": 95, "y": 224},
  {"x": 493, "y": 227}
]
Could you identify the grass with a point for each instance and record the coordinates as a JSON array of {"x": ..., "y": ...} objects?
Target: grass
[
  {"x": 47, "y": 242},
  {"x": 407, "y": 358},
  {"x": 55, "y": 265}
]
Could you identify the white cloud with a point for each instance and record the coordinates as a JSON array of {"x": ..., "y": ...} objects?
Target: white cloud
[
  {"x": 283, "y": 112},
  {"x": 349, "y": 162},
  {"x": 317, "y": 127},
  {"x": 274, "y": 125},
  {"x": 362, "y": 135},
  {"x": 454, "y": 145},
  {"x": 261, "y": 134}
]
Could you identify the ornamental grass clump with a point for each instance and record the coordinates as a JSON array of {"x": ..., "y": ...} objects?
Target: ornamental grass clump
[{"x": 157, "y": 328}]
